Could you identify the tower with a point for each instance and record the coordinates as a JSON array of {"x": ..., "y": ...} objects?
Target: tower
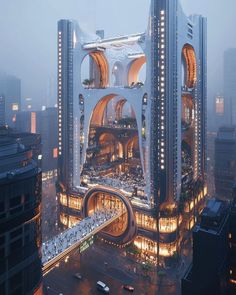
[{"x": 150, "y": 160}]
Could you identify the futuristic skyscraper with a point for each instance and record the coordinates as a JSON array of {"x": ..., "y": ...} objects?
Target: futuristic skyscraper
[{"x": 132, "y": 120}]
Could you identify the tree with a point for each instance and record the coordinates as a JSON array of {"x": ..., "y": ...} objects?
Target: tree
[{"x": 88, "y": 82}]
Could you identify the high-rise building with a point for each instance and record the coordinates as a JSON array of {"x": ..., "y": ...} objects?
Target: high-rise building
[
  {"x": 132, "y": 127},
  {"x": 2, "y": 110},
  {"x": 208, "y": 273},
  {"x": 232, "y": 245},
  {"x": 225, "y": 161},
  {"x": 20, "y": 218},
  {"x": 44, "y": 123},
  {"x": 10, "y": 88},
  {"x": 230, "y": 86}
]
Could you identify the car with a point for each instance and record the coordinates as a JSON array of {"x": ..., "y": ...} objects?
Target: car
[
  {"x": 128, "y": 288},
  {"x": 102, "y": 287},
  {"x": 78, "y": 276}
]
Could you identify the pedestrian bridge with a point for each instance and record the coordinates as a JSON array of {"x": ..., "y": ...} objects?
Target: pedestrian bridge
[{"x": 61, "y": 245}]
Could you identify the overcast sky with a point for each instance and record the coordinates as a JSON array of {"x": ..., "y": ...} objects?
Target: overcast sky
[{"x": 28, "y": 34}]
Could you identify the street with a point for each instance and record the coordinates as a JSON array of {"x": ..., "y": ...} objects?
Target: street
[{"x": 105, "y": 263}]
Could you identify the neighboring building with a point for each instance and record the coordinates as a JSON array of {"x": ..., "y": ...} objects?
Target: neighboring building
[
  {"x": 10, "y": 88},
  {"x": 225, "y": 161},
  {"x": 147, "y": 153},
  {"x": 219, "y": 106},
  {"x": 20, "y": 218},
  {"x": 232, "y": 245},
  {"x": 29, "y": 140},
  {"x": 49, "y": 135},
  {"x": 230, "y": 86},
  {"x": 208, "y": 273},
  {"x": 44, "y": 123},
  {"x": 2, "y": 110},
  {"x": 218, "y": 118}
]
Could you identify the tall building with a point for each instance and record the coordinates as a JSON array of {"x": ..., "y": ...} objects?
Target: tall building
[
  {"x": 20, "y": 218},
  {"x": 218, "y": 117},
  {"x": 132, "y": 128},
  {"x": 208, "y": 273},
  {"x": 225, "y": 161},
  {"x": 44, "y": 123},
  {"x": 232, "y": 245},
  {"x": 230, "y": 86},
  {"x": 10, "y": 88},
  {"x": 2, "y": 110}
]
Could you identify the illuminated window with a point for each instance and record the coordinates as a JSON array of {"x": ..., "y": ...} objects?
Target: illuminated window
[
  {"x": 55, "y": 153},
  {"x": 146, "y": 221},
  {"x": 15, "y": 107},
  {"x": 33, "y": 122}
]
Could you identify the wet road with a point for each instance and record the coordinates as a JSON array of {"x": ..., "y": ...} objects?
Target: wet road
[{"x": 119, "y": 270}]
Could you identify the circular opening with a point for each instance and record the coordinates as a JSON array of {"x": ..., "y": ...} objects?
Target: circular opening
[{"x": 104, "y": 201}]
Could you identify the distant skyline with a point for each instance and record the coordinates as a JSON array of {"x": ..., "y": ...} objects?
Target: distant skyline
[{"x": 28, "y": 34}]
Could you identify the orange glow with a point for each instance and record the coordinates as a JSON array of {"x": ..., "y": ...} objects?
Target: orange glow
[
  {"x": 98, "y": 112},
  {"x": 233, "y": 281},
  {"x": 167, "y": 250},
  {"x": 39, "y": 291},
  {"x": 73, "y": 201},
  {"x": 55, "y": 153},
  {"x": 190, "y": 66},
  {"x": 119, "y": 108},
  {"x": 146, "y": 221},
  {"x": 68, "y": 220},
  {"x": 146, "y": 245},
  {"x": 135, "y": 67},
  {"x": 168, "y": 225},
  {"x": 102, "y": 66},
  {"x": 192, "y": 223},
  {"x": 33, "y": 122}
]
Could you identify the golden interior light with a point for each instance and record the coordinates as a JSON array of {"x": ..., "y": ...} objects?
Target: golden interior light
[
  {"x": 134, "y": 69},
  {"x": 190, "y": 66}
]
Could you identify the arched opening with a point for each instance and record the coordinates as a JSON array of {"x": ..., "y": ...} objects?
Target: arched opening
[
  {"x": 124, "y": 228},
  {"x": 95, "y": 70},
  {"x": 189, "y": 80},
  {"x": 113, "y": 153},
  {"x": 137, "y": 72},
  {"x": 189, "y": 66},
  {"x": 118, "y": 74}
]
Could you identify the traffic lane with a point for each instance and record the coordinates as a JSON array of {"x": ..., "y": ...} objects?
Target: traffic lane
[{"x": 63, "y": 280}]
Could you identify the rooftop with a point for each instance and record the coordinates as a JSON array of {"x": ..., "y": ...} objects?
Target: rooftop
[{"x": 213, "y": 215}]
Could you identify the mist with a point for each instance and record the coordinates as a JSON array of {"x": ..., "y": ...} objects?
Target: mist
[{"x": 28, "y": 34}]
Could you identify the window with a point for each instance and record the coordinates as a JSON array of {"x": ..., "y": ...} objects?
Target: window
[
  {"x": 16, "y": 201},
  {"x": 15, "y": 107}
]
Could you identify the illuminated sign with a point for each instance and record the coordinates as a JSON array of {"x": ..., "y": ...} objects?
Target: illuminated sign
[{"x": 86, "y": 244}]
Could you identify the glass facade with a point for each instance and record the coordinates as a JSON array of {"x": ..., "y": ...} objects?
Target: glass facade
[{"x": 20, "y": 224}]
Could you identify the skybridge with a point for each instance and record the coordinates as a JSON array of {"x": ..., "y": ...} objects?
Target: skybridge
[{"x": 79, "y": 236}]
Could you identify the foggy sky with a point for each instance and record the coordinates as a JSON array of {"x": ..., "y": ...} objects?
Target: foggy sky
[{"x": 28, "y": 34}]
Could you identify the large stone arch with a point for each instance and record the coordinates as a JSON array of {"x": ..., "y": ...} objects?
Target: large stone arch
[
  {"x": 134, "y": 68},
  {"x": 98, "y": 71}
]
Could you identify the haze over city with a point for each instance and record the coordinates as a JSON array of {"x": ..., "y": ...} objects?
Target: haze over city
[
  {"x": 28, "y": 33},
  {"x": 117, "y": 147}
]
